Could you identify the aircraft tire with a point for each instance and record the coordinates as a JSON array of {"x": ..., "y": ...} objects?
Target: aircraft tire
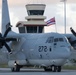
[
  {"x": 12, "y": 69},
  {"x": 16, "y": 68},
  {"x": 47, "y": 69},
  {"x": 54, "y": 68},
  {"x": 58, "y": 68}
]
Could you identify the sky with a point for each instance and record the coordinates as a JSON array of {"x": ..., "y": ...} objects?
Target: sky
[{"x": 54, "y": 8}]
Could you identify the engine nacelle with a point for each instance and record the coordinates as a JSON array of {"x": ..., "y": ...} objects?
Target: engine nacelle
[{"x": 11, "y": 63}]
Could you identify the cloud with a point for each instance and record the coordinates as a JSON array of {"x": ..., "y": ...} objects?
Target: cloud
[
  {"x": 24, "y": 2},
  {"x": 70, "y": 14},
  {"x": 14, "y": 19}
]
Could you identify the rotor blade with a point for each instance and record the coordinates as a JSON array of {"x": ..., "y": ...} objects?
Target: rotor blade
[
  {"x": 10, "y": 39},
  {"x": 8, "y": 48},
  {"x": 7, "y": 31},
  {"x": 0, "y": 35},
  {"x": 74, "y": 33},
  {"x": 73, "y": 42}
]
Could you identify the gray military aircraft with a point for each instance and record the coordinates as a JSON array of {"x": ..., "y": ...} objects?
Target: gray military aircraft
[{"x": 49, "y": 50}]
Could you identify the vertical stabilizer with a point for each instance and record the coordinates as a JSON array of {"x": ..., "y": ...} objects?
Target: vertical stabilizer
[{"x": 5, "y": 16}]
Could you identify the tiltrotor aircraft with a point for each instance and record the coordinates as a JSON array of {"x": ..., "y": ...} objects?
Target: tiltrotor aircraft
[{"x": 49, "y": 50}]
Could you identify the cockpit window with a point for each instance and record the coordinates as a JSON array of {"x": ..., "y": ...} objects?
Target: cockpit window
[
  {"x": 58, "y": 40},
  {"x": 61, "y": 39},
  {"x": 50, "y": 40}
]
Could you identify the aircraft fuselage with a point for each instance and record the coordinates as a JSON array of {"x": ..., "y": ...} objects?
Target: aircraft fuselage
[{"x": 41, "y": 49}]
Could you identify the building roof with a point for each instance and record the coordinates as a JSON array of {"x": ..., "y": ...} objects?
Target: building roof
[{"x": 31, "y": 23}]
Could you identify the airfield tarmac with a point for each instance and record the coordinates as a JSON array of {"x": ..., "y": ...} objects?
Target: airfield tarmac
[{"x": 7, "y": 71}]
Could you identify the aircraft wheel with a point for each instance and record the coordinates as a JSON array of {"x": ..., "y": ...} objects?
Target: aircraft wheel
[
  {"x": 58, "y": 68},
  {"x": 12, "y": 69},
  {"x": 54, "y": 68},
  {"x": 47, "y": 69},
  {"x": 16, "y": 68}
]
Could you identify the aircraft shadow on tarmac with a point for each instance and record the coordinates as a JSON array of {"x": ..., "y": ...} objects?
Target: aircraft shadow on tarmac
[{"x": 8, "y": 70}]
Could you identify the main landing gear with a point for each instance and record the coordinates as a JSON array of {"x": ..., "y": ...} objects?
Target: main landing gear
[
  {"x": 53, "y": 68},
  {"x": 16, "y": 67}
]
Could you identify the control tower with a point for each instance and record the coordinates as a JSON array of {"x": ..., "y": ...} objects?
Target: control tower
[{"x": 35, "y": 20}]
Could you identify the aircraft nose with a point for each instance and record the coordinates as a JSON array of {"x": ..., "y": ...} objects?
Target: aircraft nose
[
  {"x": 65, "y": 53},
  {"x": 68, "y": 53}
]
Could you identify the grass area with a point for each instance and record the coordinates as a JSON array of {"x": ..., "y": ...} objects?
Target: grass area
[
  {"x": 3, "y": 66},
  {"x": 70, "y": 67}
]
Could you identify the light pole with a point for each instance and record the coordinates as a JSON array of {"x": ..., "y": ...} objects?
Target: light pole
[{"x": 64, "y": 15}]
